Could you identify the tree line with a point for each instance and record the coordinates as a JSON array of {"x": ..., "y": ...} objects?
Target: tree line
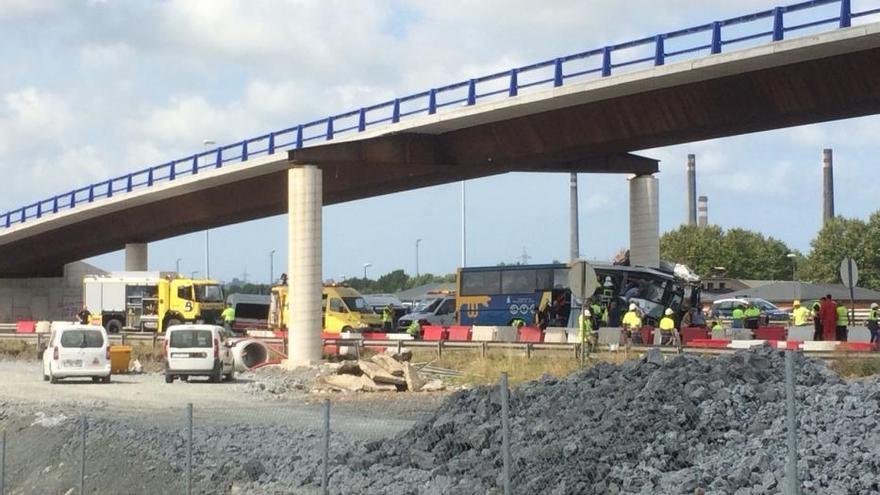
[
  {"x": 741, "y": 253},
  {"x": 390, "y": 283}
]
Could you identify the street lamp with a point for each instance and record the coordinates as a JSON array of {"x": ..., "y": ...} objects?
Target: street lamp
[
  {"x": 193, "y": 274},
  {"x": 417, "y": 256},
  {"x": 207, "y": 142},
  {"x": 177, "y": 265},
  {"x": 794, "y": 284},
  {"x": 366, "y": 265}
]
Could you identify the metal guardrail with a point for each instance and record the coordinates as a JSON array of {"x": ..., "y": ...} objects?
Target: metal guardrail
[{"x": 705, "y": 39}]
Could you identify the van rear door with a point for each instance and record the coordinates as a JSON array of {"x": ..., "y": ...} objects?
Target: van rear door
[
  {"x": 82, "y": 349},
  {"x": 191, "y": 349}
]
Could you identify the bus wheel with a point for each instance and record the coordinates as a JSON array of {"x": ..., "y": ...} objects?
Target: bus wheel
[{"x": 114, "y": 326}]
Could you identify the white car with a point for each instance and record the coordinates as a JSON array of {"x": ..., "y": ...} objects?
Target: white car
[
  {"x": 77, "y": 351},
  {"x": 198, "y": 350}
]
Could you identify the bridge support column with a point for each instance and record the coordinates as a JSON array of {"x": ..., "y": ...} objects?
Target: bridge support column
[
  {"x": 136, "y": 257},
  {"x": 644, "y": 221},
  {"x": 305, "y": 199}
]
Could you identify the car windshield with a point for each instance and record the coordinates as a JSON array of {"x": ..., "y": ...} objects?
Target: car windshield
[
  {"x": 431, "y": 306},
  {"x": 357, "y": 304},
  {"x": 765, "y": 305},
  {"x": 82, "y": 338},
  {"x": 209, "y": 293},
  {"x": 191, "y": 338}
]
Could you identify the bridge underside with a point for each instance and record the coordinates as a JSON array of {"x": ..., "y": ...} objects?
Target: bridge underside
[{"x": 588, "y": 137}]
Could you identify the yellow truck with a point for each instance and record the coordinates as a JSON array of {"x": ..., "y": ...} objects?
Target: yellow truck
[
  {"x": 151, "y": 301},
  {"x": 344, "y": 310}
]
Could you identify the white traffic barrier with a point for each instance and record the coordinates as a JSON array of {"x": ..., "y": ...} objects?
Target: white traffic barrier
[
  {"x": 821, "y": 345},
  {"x": 481, "y": 333},
  {"x": 506, "y": 334},
  {"x": 556, "y": 335},
  {"x": 858, "y": 334},
  {"x": 801, "y": 333}
]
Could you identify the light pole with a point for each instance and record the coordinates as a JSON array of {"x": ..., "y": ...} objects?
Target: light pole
[
  {"x": 271, "y": 268},
  {"x": 794, "y": 284},
  {"x": 207, "y": 142},
  {"x": 417, "y": 256},
  {"x": 193, "y": 274},
  {"x": 366, "y": 265},
  {"x": 177, "y": 265},
  {"x": 463, "y": 227}
]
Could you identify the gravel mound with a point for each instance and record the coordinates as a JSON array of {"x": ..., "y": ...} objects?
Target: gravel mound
[
  {"x": 275, "y": 382},
  {"x": 686, "y": 425}
]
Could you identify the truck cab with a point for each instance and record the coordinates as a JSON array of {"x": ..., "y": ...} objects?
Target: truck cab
[{"x": 343, "y": 310}]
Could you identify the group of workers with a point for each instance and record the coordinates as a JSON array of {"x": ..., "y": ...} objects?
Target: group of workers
[{"x": 830, "y": 319}]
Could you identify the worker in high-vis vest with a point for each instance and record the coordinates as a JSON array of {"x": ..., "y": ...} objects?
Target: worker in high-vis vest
[
  {"x": 800, "y": 315},
  {"x": 585, "y": 331},
  {"x": 842, "y": 320},
  {"x": 414, "y": 329},
  {"x": 667, "y": 326},
  {"x": 631, "y": 322},
  {"x": 388, "y": 318},
  {"x": 228, "y": 316},
  {"x": 874, "y": 323},
  {"x": 737, "y": 315}
]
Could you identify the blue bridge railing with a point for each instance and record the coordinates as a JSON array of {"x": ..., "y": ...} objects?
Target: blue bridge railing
[{"x": 706, "y": 39}]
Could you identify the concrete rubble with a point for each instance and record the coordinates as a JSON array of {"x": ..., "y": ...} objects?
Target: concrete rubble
[{"x": 381, "y": 373}]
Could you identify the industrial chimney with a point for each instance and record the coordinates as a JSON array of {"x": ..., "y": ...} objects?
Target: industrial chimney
[
  {"x": 827, "y": 186},
  {"x": 692, "y": 189},
  {"x": 703, "y": 217}
]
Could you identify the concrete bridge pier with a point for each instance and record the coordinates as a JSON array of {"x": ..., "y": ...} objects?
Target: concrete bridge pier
[
  {"x": 644, "y": 221},
  {"x": 136, "y": 257},
  {"x": 305, "y": 200}
]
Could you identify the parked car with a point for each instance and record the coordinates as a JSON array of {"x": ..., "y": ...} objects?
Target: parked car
[
  {"x": 198, "y": 350},
  {"x": 77, "y": 351},
  {"x": 440, "y": 311},
  {"x": 723, "y": 308}
]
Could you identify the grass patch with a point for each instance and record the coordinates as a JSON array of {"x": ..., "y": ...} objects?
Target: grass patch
[
  {"x": 478, "y": 370},
  {"x": 17, "y": 349},
  {"x": 852, "y": 367}
]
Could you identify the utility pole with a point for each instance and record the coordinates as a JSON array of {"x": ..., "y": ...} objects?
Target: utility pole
[
  {"x": 417, "y": 256},
  {"x": 573, "y": 228},
  {"x": 207, "y": 142}
]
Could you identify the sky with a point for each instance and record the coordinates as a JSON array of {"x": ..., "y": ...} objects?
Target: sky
[{"x": 93, "y": 89}]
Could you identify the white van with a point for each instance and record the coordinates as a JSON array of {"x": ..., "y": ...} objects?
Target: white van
[
  {"x": 77, "y": 351},
  {"x": 198, "y": 350}
]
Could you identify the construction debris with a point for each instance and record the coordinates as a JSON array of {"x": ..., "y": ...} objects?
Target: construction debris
[{"x": 381, "y": 373}]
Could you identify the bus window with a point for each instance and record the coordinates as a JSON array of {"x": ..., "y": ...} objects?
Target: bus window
[
  {"x": 544, "y": 279},
  {"x": 517, "y": 281},
  {"x": 480, "y": 283},
  {"x": 560, "y": 278}
]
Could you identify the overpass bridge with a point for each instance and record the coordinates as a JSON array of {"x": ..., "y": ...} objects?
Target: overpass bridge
[{"x": 586, "y": 112}]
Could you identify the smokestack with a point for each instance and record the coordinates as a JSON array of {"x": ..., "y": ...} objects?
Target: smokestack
[
  {"x": 703, "y": 217},
  {"x": 827, "y": 186},
  {"x": 692, "y": 189},
  {"x": 573, "y": 244}
]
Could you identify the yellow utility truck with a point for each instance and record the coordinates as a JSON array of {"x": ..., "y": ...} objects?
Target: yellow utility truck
[
  {"x": 151, "y": 301},
  {"x": 344, "y": 310}
]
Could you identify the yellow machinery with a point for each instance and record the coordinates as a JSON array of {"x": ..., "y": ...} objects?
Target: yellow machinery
[{"x": 343, "y": 309}]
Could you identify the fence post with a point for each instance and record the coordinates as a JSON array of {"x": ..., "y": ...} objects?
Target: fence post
[
  {"x": 362, "y": 119},
  {"x": 82, "y": 455},
  {"x": 505, "y": 432},
  {"x": 189, "y": 447},
  {"x": 299, "y": 136},
  {"x": 716, "y": 37},
  {"x": 529, "y": 351},
  {"x": 792, "y": 486},
  {"x": 557, "y": 72},
  {"x": 440, "y": 348},
  {"x": 3, "y": 462},
  {"x": 483, "y": 350},
  {"x": 514, "y": 83},
  {"x": 395, "y": 111},
  {"x": 155, "y": 338},
  {"x": 778, "y": 29},
  {"x": 472, "y": 92},
  {"x": 329, "y": 135},
  {"x": 122, "y": 334},
  {"x": 606, "y": 61},
  {"x": 432, "y": 102},
  {"x": 659, "y": 50},
  {"x": 325, "y": 475},
  {"x": 271, "y": 145},
  {"x": 845, "y": 13},
  {"x": 244, "y": 150}
]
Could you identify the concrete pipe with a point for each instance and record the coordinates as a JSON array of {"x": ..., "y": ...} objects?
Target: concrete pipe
[{"x": 249, "y": 353}]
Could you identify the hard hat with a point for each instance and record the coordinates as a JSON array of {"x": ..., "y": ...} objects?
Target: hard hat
[
  {"x": 668, "y": 312},
  {"x": 873, "y": 305},
  {"x": 632, "y": 306},
  {"x": 796, "y": 303},
  {"x": 587, "y": 312}
]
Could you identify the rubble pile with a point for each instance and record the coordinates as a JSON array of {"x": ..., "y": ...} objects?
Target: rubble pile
[
  {"x": 683, "y": 425},
  {"x": 380, "y": 373}
]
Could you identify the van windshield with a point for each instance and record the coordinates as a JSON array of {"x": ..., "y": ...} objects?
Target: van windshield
[
  {"x": 191, "y": 338},
  {"x": 82, "y": 338},
  {"x": 357, "y": 304}
]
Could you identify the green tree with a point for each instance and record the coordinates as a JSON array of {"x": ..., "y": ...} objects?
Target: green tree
[
  {"x": 742, "y": 253},
  {"x": 841, "y": 237}
]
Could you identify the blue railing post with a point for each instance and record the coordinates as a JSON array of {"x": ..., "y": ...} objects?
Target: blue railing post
[
  {"x": 557, "y": 73},
  {"x": 8, "y": 219},
  {"x": 845, "y": 13},
  {"x": 514, "y": 82},
  {"x": 23, "y": 215},
  {"x": 362, "y": 120},
  {"x": 271, "y": 143},
  {"x": 91, "y": 193},
  {"x": 172, "y": 172},
  {"x": 55, "y": 204},
  {"x": 329, "y": 135},
  {"x": 606, "y": 61},
  {"x": 129, "y": 185},
  {"x": 244, "y": 151},
  {"x": 110, "y": 188},
  {"x": 659, "y": 50},
  {"x": 395, "y": 111},
  {"x": 219, "y": 158},
  {"x": 472, "y": 92},
  {"x": 150, "y": 177},
  {"x": 778, "y": 29},
  {"x": 195, "y": 165},
  {"x": 39, "y": 209},
  {"x": 299, "y": 136},
  {"x": 432, "y": 102},
  {"x": 72, "y": 198},
  {"x": 716, "y": 37}
]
